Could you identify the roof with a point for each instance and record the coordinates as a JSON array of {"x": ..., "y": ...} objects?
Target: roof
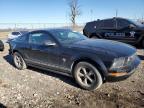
[
  {"x": 53, "y": 29},
  {"x": 110, "y": 18}
]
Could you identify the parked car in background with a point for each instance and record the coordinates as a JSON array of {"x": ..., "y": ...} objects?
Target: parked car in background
[
  {"x": 16, "y": 34},
  {"x": 1, "y": 46},
  {"x": 89, "y": 62},
  {"x": 119, "y": 29}
]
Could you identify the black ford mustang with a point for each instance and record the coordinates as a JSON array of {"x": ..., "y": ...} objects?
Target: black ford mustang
[{"x": 89, "y": 62}]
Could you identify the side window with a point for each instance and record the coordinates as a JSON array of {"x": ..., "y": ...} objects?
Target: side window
[
  {"x": 107, "y": 24},
  {"x": 101, "y": 24},
  {"x": 72, "y": 35},
  {"x": 39, "y": 38},
  {"x": 121, "y": 23}
]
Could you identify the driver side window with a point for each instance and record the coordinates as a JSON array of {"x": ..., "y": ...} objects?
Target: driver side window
[
  {"x": 121, "y": 23},
  {"x": 72, "y": 35},
  {"x": 39, "y": 38}
]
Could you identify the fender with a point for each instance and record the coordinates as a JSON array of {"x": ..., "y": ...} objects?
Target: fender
[{"x": 96, "y": 62}]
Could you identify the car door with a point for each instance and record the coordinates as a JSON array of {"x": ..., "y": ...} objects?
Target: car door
[
  {"x": 107, "y": 28},
  {"x": 42, "y": 54},
  {"x": 124, "y": 32}
]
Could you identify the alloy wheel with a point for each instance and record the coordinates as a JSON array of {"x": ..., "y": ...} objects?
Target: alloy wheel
[{"x": 86, "y": 76}]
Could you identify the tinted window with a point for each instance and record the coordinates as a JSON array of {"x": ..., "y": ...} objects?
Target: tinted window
[
  {"x": 101, "y": 24},
  {"x": 136, "y": 23},
  {"x": 15, "y": 33},
  {"x": 39, "y": 38},
  {"x": 107, "y": 24},
  {"x": 121, "y": 23}
]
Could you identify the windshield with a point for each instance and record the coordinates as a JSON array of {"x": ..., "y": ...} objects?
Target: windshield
[
  {"x": 136, "y": 23},
  {"x": 68, "y": 37}
]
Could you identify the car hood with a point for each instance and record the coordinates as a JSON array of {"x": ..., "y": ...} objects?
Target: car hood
[{"x": 118, "y": 48}]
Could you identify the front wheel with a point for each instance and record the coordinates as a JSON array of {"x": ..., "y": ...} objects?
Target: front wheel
[
  {"x": 87, "y": 76},
  {"x": 19, "y": 61}
]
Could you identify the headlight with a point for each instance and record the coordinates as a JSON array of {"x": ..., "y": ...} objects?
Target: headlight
[
  {"x": 118, "y": 63},
  {"x": 122, "y": 62}
]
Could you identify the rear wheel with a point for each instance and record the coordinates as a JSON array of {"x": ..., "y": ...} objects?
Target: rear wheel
[
  {"x": 87, "y": 76},
  {"x": 19, "y": 61}
]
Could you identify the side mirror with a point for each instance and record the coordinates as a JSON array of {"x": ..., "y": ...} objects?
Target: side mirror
[
  {"x": 49, "y": 43},
  {"x": 131, "y": 26}
]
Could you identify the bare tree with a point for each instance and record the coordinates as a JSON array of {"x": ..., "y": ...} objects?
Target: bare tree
[{"x": 74, "y": 11}]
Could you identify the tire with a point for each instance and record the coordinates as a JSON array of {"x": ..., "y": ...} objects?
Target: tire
[
  {"x": 19, "y": 61},
  {"x": 87, "y": 76}
]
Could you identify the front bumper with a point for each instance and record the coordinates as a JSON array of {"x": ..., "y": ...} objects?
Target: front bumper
[{"x": 123, "y": 73}]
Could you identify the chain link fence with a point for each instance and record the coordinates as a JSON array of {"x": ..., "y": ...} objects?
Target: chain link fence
[
  {"x": 6, "y": 28},
  {"x": 32, "y": 26}
]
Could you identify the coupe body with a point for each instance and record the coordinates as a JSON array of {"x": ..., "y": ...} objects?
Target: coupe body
[{"x": 89, "y": 62}]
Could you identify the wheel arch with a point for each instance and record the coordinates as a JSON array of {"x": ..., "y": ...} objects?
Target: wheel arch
[
  {"x": 17, "y": 52},
  {"x": 95, "y": 34},
  {"x": 99, "y": 65}
]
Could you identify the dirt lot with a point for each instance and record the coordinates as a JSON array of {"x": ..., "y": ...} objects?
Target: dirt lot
[
  {"x": 3, "y": 35},
  {"x": 42, "y": 89}
]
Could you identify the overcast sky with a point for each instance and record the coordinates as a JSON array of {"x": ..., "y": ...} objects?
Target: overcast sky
[{"x": 57, "y": 11}]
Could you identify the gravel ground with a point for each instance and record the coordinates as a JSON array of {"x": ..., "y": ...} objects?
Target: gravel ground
[{"x": 42, "y": 89}]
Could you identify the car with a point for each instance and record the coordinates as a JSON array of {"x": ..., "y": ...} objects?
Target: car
[
  {"x": 16, "y": 34},
  {"x": 90, "y": 62},
  {"x": 118, "y": 29},
  {"x": 1, "y": 45}
]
